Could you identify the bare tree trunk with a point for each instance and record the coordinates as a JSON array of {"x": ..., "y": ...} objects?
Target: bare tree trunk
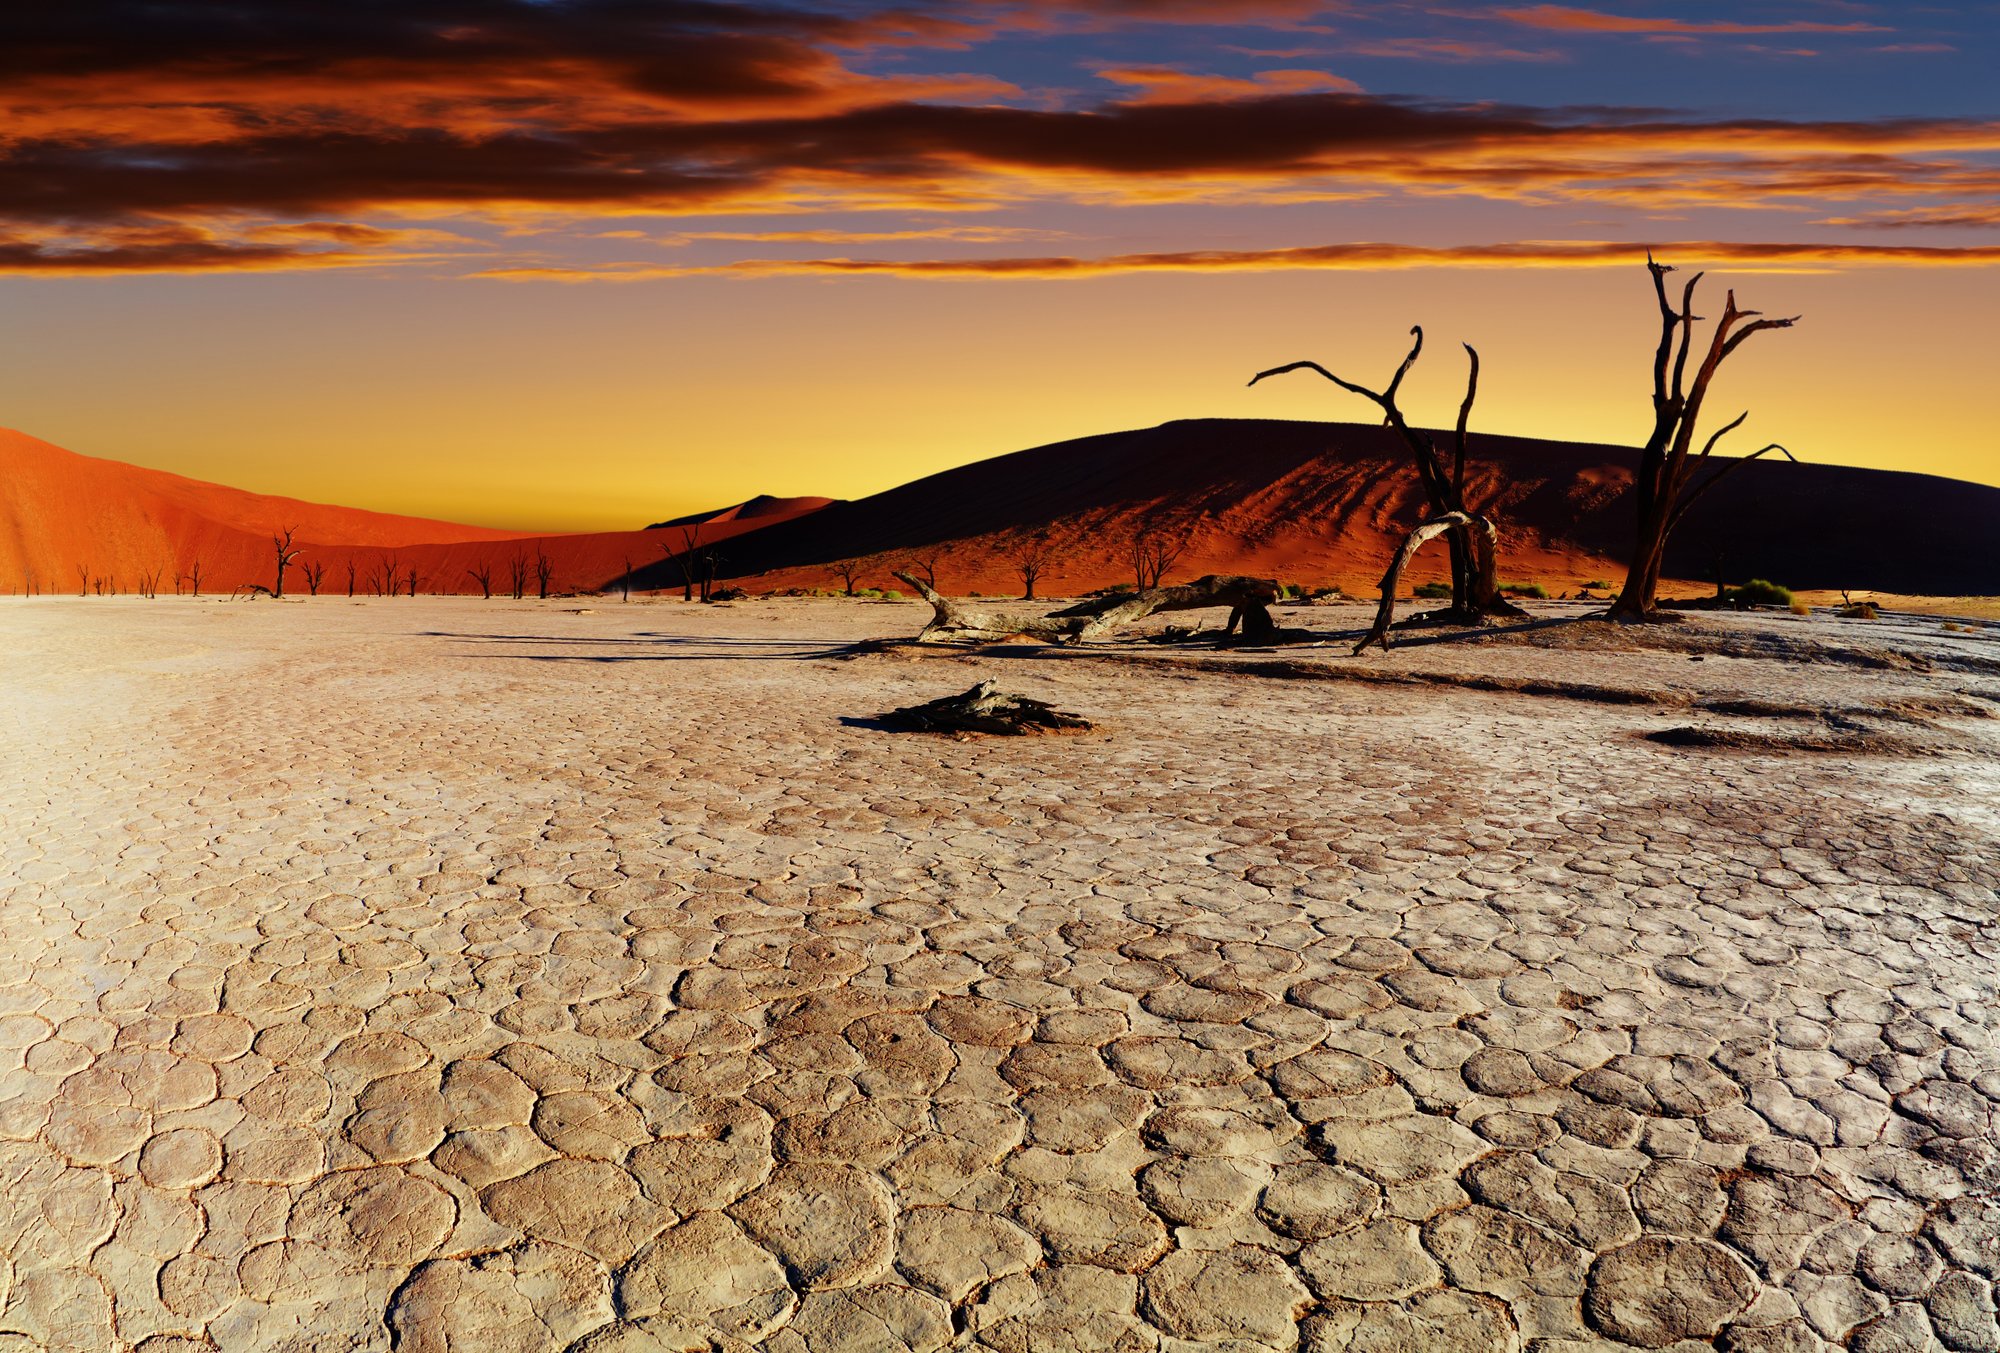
[
  {"x": 1475, "y": 593},
  {"x": 953, "y": 619},
  {"x": 1462, "y": 526},
  {"x": 1660, "y": 488}
]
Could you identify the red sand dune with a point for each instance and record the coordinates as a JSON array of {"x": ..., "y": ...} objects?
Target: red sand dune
[
  {"x": 61, "y": 513},
  {"x": 1314, "y": 503},
  {"x": 1321, "y": 503}
]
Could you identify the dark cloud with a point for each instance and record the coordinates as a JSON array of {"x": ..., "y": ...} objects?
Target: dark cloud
[{"x": 234, "y": 121}]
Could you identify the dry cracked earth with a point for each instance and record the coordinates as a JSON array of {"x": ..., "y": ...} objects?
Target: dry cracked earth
[{"x": 438, "y": 975}]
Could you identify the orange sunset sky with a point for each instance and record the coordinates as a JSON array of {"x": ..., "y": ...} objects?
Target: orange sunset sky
[{"x": 581, "y": 264}]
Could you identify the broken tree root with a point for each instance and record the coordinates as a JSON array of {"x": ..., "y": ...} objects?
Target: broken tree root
[{"x": 985, "y": 709}]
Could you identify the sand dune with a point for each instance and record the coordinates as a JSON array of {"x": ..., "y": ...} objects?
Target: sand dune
[
  {"x": 68, "y": 521},
  {"x": 1326, "y": 502},
  {"x": 1314, "y": 503}
]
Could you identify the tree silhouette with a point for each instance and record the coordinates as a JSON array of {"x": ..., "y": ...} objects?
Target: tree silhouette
[
  {"x": 847, "y": 570},
  {"x": 1152, "y": 552},
  {"x": 1475, "y": 589},
  {"x": 545, "y": 569},
  {"x": 282, "y": 544},
  {"x": 314, "y": 571},
  {"x": 482, "y": 573},
  {"x": 1661, "y": 490},
  {"x": 517, "y": 574},
  {"x": 1031, "y": 559}
]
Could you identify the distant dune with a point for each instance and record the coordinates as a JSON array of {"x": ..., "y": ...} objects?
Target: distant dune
[
  {"x": 1314, "y": 503},
  {"x": 763, "y": 510},
  {"x": 61, "y": 513}
]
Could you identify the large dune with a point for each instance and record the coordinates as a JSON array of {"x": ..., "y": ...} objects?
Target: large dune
[
  {"x": 1314, "y": 503},
  {"x": 1326, "y": 503}
]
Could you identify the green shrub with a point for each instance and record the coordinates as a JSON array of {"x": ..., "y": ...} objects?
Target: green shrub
[
  {"x": 1759, "y": 592},
  {"x": 1434, "y": 591},
  {"x": 1598, "y": 584},
  {"x": 868, "y": 593},
  {"x": 1800, "y": 608},
  {"x": 1533, "y": 590},
  {"x": 891, "y": 594}
]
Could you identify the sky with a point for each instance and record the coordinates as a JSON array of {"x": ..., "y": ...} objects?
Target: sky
[{"x": 584, "y": 264}]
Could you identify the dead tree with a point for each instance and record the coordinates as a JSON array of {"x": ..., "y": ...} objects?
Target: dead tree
[
  {"x": 848, "y": 571},
  {"x": 83, "y": 580},
  {"x": 482, "y": 573},
  {"x": 688, "y": 560},
  {"x": 925, "y": 562},
  {"x": 350, "y": 577},
  {"x": 1031, "y": 560},
  {"x": 1661, "y": 490},
  {"x": 193, "y": 576},
  {"x": 1152, "y": 552},
  {"x": 517, "y": 575},
  {"x": 382, "y": 582},
  {"x": 953, "y": 619},
  {"x": 1475, "y": 588},
  {"x": 411, "y": 579},
  {"x": 282, "y": 543},
  {"x": 149, "y": 584},
  {"x": 315, "y": 574},
  {"x": 545, "y": 569},
  {"x": 625, "y": 581}
]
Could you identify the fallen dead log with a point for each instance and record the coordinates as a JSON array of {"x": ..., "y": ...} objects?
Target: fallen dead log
[
  {"x": 1249, "y": 600},
  {"x": 985, "y": 709}
]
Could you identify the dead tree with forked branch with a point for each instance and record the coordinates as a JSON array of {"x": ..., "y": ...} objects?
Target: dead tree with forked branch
[
  {"x": 1152, "y": 552},
  {"x": 314, "y": 571},
  {"x": 282, "y": 543},
  {"x": 1031, "y": 559},
  {"x": 697, "y": 565},
  {"x": 1667, "y": 465},
  {"x": 1474, "y": 542},
  {"x": 482, "y": 573},
  {"x": 924, "y": 562},
  {"x": 382, "y": 582},
  {"x": 849, "y": 571},
  {"x": 545, "y": 570}
]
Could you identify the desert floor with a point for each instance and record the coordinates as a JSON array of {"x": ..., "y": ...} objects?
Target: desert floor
[{"x": 489, "y": 976}]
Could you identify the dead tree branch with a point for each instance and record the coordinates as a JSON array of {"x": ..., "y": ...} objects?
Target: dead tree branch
[{"x": 952, "y": 619}]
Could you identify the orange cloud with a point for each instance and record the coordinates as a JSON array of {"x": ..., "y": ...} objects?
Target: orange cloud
[
  {"x": 1351, "y": 257},
  {"x": 1161, "y": 84},
  {"x": 1565, "y": 19}
]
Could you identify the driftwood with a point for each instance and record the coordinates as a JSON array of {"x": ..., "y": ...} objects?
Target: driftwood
[
  {"x": 1483, "y": 549},
  {"x": 985, "y": 709},
  {"x": 1248, "y": 598}
]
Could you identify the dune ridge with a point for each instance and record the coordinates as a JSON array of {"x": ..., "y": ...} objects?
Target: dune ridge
[{"x": 1314, "y": 503}]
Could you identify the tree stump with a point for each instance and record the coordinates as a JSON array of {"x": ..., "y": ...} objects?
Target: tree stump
[{"x": 985, "y": 709}]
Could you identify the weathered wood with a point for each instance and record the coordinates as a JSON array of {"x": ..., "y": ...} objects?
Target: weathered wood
[
  {"x": 985, "y": 709},
  {"x": 1475, "y": 591},
  {"x": 1385, "y": 613},
  {"x": 955, "y": 619}
]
